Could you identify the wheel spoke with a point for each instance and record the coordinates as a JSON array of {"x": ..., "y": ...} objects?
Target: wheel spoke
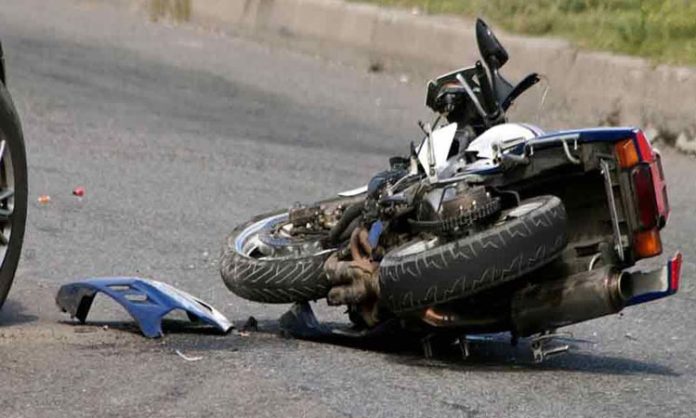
[
  {"x": 5, "y": 214},
  {"x": 6, "y": 194}
]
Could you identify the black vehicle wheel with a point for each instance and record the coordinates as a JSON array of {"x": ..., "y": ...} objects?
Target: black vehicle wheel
[
  {"x": 13, "y": 191},
  {"x": 422, "y": 273},
  {"x": 264, "y": 266}
]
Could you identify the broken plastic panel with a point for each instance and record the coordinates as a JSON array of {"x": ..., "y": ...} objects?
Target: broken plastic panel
[{"x": 147, "y": 301}]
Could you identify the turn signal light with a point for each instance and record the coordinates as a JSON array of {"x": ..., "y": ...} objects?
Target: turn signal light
[
  {"x": 626, "y": 153},
  {"x": 647, "y": 243}
]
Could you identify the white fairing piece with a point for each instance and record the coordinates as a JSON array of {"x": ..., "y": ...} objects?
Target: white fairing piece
[
  {"x": 354, "y": 192},
  {"x": 442, "y": 143},
  {"x": 505, "y": 136}
]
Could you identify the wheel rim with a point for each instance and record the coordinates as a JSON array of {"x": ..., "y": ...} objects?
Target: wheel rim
[
  {"x": 414, "y": 247},
  {"x": 419, "y": 245},
  {"x": 250, "y": 242},
  {"x": 7, "y": 197}
]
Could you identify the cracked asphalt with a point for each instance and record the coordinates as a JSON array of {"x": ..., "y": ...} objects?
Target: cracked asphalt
[{"x": 179, "y": 133}]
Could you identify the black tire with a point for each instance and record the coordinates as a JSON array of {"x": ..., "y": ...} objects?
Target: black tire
[
  {"x": 11, "y": 132},
  {"x": 277, "y": 280},
  {"x": 505, "y": 251}
]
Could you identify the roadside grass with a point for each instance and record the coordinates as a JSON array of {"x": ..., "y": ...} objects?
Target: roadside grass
[
  {"x": 662, "y": 30},
  {"x": 178, "y": 10}
]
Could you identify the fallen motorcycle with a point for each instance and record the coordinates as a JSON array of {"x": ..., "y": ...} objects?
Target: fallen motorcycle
[{"x": 485, "y": 226}]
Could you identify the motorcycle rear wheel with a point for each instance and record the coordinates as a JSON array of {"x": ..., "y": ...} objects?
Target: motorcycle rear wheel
[{"x": 423, "y": 273}]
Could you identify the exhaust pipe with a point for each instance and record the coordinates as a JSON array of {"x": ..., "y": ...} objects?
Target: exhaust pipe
[
  {"x": 574, "y": 299},
  {"x": 554, "y": 304}
]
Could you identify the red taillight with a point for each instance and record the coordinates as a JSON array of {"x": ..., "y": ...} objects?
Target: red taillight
[
  {"x": 675, "y": 265},
  {"x": 645, "y": 197},
  {"x": 660, "y": 190},
  {"x": 636, "y": 157},
  {"x": 644, "y": 148}
]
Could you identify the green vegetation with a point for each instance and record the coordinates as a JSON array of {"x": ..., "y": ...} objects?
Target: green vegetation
[
  {"x": 178, "y": 10},
  {"x": 663, "y": 30}
]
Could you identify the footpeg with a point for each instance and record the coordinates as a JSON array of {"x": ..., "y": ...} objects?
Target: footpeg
[
  {"x": 541, "y": 349},
  {"x": 464, "y": 347},
  {"x": 427, "y": 346}
]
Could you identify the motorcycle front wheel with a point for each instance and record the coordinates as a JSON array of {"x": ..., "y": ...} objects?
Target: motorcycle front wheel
[
  {"x": 260, "y": 263},
  {"x": 13, "y": 191}
]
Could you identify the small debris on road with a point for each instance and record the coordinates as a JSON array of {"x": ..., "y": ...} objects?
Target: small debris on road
[
  {"x": 78, "y": 191},
  {"x": 44, "y": 199},
  {"x": 251, "y": 325},
  {"x": 85, "y": 330},
  {"x": 187, "y": 358},
  {"x": 631, "y": 337},
  {"x": 375, "y": 66}
]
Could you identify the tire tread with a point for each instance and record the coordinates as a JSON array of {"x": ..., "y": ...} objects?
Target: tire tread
[{"x": 462, "y": 268}]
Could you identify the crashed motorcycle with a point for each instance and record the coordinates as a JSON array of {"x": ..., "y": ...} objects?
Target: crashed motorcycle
[{"x": 485, "y": 226}]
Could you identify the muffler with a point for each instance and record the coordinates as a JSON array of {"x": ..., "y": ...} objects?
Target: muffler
[
  {"x": 558, "y": 303},
  {"x": 580, "y": 297}
]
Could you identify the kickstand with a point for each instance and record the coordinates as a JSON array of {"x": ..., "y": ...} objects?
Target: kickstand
[
  {"x": 540, "y": 346},
  {"x": 427, "y": 346},
  {"x": 464, "y": 347}
]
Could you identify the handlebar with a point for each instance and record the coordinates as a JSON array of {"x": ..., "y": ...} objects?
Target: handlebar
[
  {"x": 472, "y": 96},
  {"x": 490, "y": 104}
]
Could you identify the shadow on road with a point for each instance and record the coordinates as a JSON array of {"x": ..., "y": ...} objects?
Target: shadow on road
[
  {"x": 490, "y": 353},
  {"x": 169, "y": 327},
  {"x": 520, "y": 361},
  {"x": 13, "y": 313}
]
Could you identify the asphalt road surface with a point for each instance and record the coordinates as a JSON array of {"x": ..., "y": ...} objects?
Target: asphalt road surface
[{"x": 180, "y": 133}]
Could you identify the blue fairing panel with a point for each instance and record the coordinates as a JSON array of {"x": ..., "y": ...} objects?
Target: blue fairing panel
[
  {"x": 585, "y": 135},
  {"x": 147, "y": 301},
  {"x": 556, "y": 139}
]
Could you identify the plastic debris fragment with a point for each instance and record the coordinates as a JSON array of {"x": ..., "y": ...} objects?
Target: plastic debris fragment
[
  {"x": 188, "y": 358},
  {"x": 147, "y": 301}
]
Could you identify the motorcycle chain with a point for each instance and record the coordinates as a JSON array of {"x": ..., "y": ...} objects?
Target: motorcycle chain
[{"x": 459, "y": 223}]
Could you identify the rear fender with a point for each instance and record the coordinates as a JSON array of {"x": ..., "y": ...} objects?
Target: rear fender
[{"x": 646, "y": 286}]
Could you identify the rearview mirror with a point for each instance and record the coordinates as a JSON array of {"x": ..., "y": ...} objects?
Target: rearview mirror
[{"x": 490, "y": 48}]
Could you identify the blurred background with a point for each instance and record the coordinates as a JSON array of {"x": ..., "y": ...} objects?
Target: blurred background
[{"x": 664, "y": 30}]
